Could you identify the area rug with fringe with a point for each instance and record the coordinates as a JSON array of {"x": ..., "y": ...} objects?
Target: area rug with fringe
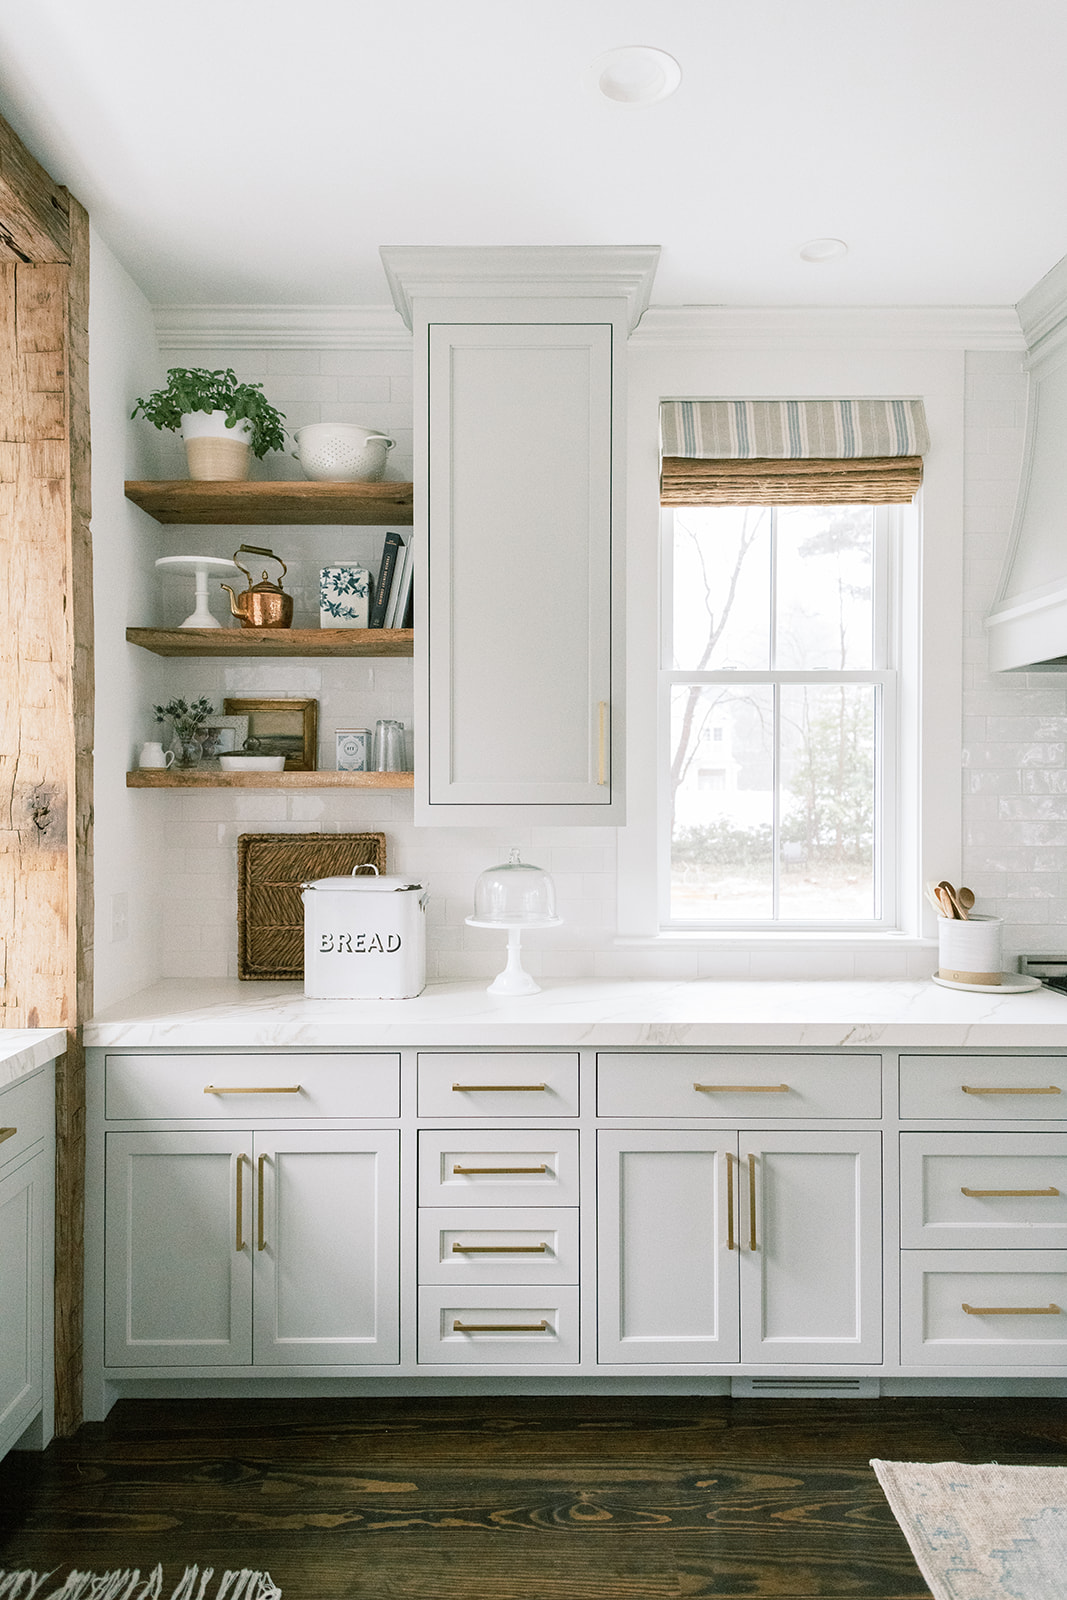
[
  {"x": 127, "y": 1583},
  {"x": 982, "y": 1532}
]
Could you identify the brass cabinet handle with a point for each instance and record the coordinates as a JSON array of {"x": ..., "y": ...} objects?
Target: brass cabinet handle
[
  {"x": 752, "y": 1245},
  {"x": 498, "y": 1088},
  {"x": 7, "y": 1133},
  {"x": 982, "y": 1194},
  {"x": 466, "y": 1171},
  {"x": 289, "y": 1088},
  {"x": 601, "y": 743},
  {"x": 969, "y": 1089},
  {"x": 499, "y": 1249},
  {"x": 742, "y": 1088},
  {"x": 501, "y": 1327},
  {"x": 261, "y": 1239},
  {"x": 239, "y": 1242},
  {"x": 731, "y": 1242},
  {"x": 1011, "y": 1311}
]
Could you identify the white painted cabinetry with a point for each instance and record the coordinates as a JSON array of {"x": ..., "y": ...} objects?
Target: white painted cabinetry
[
  {"x": 983, "y": 1212},
  {"x": 520, "y": 382},
  {"x": 26, "y": 1178}
]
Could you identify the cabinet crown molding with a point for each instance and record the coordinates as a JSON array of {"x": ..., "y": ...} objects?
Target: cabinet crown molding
[{"x": 521, "y": 272}]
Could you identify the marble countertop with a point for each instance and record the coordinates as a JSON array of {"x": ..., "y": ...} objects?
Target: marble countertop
[
  {"x": 194, "y": 1013},
  {"x": 23, "y": 1050}
]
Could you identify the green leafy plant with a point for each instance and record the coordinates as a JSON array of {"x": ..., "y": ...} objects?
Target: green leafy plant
[
  {"x": 187, "y": 719},
  {"x": 198, "y": 389}
]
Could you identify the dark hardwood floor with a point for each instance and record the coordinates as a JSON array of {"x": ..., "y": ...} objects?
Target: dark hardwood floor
[{"x": 503, "y": 1499}]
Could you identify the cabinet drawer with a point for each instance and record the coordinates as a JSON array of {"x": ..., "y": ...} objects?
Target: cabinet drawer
[
  {"x": 516, "y": 1167},
  {"x": 26, "y": 1115},
  {"x": 514, "y": 1327},
  {"x": 507, "y": 1245},
  {"x": 251, "y": 1087},
  {"x": 498, "y": 1084},
  {"x": 725, "y": 1085},
  {"x": 995, "y": 1088},
  {"x": 1017, "y": 1316},
  {"x": 970, "y": 1191}
]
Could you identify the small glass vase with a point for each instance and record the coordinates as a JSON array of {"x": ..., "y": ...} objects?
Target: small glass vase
[{"x": 187, "y": 750}]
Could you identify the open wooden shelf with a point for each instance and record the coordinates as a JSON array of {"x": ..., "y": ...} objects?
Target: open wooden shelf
[
  {"x": 213, "y": 778},
  {"x": 246, "y": 504},
  {"x": 274, "y": 641}
]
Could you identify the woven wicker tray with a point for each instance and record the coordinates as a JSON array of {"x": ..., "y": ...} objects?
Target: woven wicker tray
[{"x": 270, "y": 913}]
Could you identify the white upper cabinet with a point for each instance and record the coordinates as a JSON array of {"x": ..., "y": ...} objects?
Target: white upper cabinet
[{"x": 519, "y": 516}]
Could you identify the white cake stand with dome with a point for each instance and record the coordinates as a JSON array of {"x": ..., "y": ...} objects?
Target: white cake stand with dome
[
  {"x": 514, "y": 896},
  {"x": 202, "y": 567}
]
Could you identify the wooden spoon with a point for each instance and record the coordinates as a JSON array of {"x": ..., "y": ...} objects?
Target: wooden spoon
[
  {"x": 965, "y": 901},
  {"x": 947, "y": 896}
]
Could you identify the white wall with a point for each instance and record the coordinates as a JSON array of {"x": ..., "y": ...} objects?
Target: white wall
[
  {"x": 1015, "y": 723},
  {"x": 1011, "y": 793},
  {"x": 130, "y": 860}
]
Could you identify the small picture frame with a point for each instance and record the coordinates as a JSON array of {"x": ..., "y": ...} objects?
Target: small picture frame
[
  {"x": 224, "y": 735},
  {"x": 282, "y": 727}
]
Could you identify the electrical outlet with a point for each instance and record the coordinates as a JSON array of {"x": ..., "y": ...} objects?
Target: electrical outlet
[{"x": 120, "y": 918}]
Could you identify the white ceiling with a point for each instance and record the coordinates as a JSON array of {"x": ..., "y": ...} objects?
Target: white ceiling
[{"x": 235, "y": 151}]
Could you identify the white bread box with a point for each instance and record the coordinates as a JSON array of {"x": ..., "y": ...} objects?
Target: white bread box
[{"x": 364, "y": 937}]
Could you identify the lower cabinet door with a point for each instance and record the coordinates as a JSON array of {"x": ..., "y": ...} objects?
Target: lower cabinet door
[
  {"x": 21, "y": 1296},
  {"x": 811, "y": 1257},
  {"x": 668, "y": 1232},
  {"x": 224, "y": 1249},
  {"x": 178, "y": 1256},
  {"x": 326, "y": 1248}
]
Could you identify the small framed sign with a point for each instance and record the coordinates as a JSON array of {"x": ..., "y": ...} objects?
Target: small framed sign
[{"x": 283, "y": 727}]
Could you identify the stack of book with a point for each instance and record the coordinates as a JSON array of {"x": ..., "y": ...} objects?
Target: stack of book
[{"x": 391, "y": 606}]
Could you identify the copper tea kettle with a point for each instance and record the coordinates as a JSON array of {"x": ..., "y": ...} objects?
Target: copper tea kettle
[{"x": 263, "y": 604}]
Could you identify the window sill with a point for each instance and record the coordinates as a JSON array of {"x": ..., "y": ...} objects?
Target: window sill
[{"x": 770, "y": 939}]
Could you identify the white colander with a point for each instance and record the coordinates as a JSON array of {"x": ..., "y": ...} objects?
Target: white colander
[{"x": 341, "y": 452}]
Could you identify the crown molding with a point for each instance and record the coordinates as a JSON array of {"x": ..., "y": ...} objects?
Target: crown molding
[
  {"x": 871, "y": 327},
  {"x": 505, "y": 272},
  {"x": 280, "y": 327}
]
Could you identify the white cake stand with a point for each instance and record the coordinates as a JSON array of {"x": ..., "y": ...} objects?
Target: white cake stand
[
  {"x": 515, "y": 979},
  {"x": 202, "y": 566}
]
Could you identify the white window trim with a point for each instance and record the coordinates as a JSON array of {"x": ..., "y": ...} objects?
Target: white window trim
[{"x": 930, "y": 830}]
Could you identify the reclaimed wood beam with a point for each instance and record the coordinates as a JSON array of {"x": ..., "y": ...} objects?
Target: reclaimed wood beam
[{"x": 34, "y": 211}]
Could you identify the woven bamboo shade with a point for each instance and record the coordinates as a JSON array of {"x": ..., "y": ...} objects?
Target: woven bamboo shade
[
  {"x": 270, "y": 912},
  {"x": 871, "y": 480}
]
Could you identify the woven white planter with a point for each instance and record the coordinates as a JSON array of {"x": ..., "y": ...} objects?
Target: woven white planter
[{"x": 213, "y": 451}]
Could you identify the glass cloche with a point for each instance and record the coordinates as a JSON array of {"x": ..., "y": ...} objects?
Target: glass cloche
[
  {"x": 514, "y": 895},
  {"x": 514, "y": 892}
]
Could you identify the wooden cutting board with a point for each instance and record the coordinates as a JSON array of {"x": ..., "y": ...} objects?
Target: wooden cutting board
[{"x": 270, "y": 912}]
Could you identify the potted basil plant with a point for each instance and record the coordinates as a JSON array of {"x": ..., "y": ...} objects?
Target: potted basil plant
[{"x": 223, "y": 423}]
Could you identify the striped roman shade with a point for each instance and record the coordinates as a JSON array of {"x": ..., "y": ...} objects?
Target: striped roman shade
[{"x": 815, "y": 452}]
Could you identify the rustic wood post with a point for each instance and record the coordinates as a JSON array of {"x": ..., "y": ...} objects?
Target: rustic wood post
[{"x": 46, "y": 675}]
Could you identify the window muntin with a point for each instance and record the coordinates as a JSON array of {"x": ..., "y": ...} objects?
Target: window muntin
[{"x": 780, "y": 717}]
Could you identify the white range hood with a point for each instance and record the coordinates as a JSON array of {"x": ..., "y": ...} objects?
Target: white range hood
[{"x": 1028, "y": 622}]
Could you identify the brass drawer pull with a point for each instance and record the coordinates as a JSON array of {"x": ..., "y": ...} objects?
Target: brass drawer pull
[
  {"x": 239, "y": 1242},
  {"x": 499, "y": 1088},
  {"x": 499, "y": 1249},
  {"x": 1012, "y": 1311},
  {"x": 465, "y": 1172},
  {"x": 261, "y": 1239},
  {"x": 501, "y": 1327},
  {"x": 742, "y": 1088},
  {"x": 7, "y": 1133},
  {"x": 982, "y": 1194},
  {"x": 967, "y": 1089},
  {"x": 270, "y": 1088},
  {"x": 731, "y": 1242}
]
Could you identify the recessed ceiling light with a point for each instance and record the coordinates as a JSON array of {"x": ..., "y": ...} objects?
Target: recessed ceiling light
[
  {"x": 636, "y": 75},
  {"x": 823, "y": 250}
]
